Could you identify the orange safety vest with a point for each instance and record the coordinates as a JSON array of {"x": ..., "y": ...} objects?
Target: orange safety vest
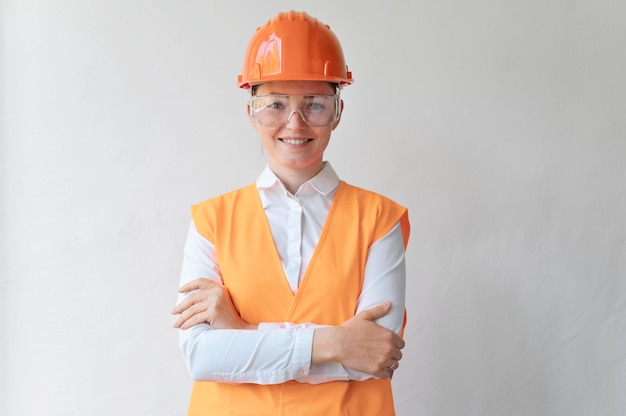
[{"x": 328, "y": 292}]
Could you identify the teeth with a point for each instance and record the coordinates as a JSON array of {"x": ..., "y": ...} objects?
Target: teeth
[{"x": 295, "y": 141}]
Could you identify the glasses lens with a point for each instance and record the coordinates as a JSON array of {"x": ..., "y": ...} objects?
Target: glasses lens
[{"x": 275, "y": 110}]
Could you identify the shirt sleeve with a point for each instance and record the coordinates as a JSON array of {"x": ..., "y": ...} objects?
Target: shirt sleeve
[
  {"x": 384, "y": 280},
  {"x": 237, "y": 356},
  {"x": 278, "y": 352}
]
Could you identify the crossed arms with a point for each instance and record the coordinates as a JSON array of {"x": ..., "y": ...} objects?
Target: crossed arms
[{"x": 219, "y": 346}]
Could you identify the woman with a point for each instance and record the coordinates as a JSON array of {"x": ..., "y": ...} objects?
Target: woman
[{"x": 294, "y": 285}]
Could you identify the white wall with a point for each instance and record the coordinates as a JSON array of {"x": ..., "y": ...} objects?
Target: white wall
[{"x": 499, "y": 124}]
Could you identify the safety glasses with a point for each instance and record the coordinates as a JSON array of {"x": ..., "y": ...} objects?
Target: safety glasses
[{"x": 316, "y": 110}]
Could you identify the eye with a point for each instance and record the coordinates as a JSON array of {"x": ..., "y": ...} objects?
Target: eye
[
  {"x": 276, "y": 102},
  {"x": 314, "y": 106},
  {"x": 270, "y": 102},
  {"x": 276, "y": 105}
]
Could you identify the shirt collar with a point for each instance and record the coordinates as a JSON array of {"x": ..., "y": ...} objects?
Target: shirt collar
[{"x": 324, "y": 182}]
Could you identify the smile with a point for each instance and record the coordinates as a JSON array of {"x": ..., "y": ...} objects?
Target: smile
[{"x": 295, "y": 141}]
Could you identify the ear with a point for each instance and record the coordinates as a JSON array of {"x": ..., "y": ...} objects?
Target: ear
[
  {"x": 336, "y": 123},
  {"x": 250, "y": 119}
]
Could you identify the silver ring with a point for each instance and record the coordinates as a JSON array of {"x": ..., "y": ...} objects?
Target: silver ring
[{"x": 394, "y": 365}]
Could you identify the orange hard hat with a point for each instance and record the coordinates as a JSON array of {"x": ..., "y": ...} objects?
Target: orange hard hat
[{"x": 294, "y": 46}]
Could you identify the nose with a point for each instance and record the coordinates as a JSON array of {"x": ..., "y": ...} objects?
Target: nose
[{"x": 296, "y": 123}]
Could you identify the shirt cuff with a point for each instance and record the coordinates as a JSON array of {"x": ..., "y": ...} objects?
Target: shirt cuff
[{"x": 302, "y": 351}]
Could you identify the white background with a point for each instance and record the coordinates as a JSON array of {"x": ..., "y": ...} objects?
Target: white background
[{"x": 499, "y": 124}]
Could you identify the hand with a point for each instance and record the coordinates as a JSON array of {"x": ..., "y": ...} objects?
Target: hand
[
  {"x": 210, "y": 303},
  {"x": 360, "y": 344}
]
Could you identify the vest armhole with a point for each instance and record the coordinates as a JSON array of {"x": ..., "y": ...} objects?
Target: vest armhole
[
  {"x": 389, "y": 211},
  {"x": 200, "y": 218},
  {"x": 405, "y": 226},
  {"x": 399, "y": 215}
]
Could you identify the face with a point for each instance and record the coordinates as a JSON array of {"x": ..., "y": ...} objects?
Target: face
[{"x": 295, "y": 147}]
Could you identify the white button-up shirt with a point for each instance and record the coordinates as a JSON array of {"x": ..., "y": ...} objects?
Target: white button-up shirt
[{"x": 281, "y": 351}]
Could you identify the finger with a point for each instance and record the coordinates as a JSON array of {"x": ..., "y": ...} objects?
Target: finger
[
  {"x": 376, "y": 312},
  {"x": 192, "y": 316},
  {"x": 189, "y": 286},
  {"x": 200, "y": 318},
  {"x": 182, "y": 317},
  {"x": 182, "y": 306},
  {"x": 398, "y": 341},
  {"x": 185, "y": 304},
  {"x": 186, "y": 313},
  {"x": 199, "y": 283},
  {"x": 391, "y": 364},
  {"x": 179, "y": 322},
  {"x": 382, "y": 374}
]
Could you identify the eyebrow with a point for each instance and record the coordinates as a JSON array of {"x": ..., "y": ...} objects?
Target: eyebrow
[{"x": 302, "y": 93}]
